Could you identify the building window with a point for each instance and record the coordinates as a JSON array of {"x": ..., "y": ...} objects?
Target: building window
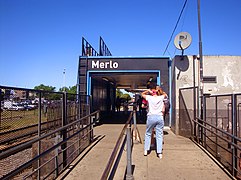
[{"x": 210, "y": 79}]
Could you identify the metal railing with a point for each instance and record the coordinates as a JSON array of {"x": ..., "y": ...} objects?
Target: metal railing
[
  {"x": 87, "y": 49},
  {"x": 219, "y": 130},
  {"x": 103, "y": 49},
  {"x": 75, "y": 142},
  {"x": 43, "y": 136},
  {"x": 125, "y": 138}
]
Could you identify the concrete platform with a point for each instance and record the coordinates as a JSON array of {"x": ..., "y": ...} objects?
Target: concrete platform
[{"x": 182, "y": 159}]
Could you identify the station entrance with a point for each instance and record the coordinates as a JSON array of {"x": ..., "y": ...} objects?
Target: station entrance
[{"x": 101, "y": 75}]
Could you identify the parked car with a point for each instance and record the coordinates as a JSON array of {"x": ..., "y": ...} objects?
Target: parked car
[
  {"x": 7, "y": 104},
  {"x": 27, "y": 106},
  {"x": 16, "y": 107}
]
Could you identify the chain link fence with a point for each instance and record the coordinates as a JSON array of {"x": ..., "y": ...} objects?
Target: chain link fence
[{"x": 27, "y": 114}]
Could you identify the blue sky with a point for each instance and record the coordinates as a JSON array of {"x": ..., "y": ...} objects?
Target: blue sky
[{"x": 39, "y": 39}]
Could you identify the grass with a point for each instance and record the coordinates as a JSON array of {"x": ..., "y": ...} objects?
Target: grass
[{"x": 11, "y": 120}]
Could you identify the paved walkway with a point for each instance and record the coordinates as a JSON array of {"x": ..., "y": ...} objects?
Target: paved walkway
[{"x": 182, "y": 159}]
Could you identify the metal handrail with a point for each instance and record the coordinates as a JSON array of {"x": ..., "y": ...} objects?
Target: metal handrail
[
  {"x": 27, "y": 144},
  {"x": 114, "y": 152},
  {"x": 227, "y": 133},
  {"x": 61, "y": 151}
]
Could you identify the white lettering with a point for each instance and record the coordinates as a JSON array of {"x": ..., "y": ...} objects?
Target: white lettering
[
  {"x": 95, "y": 65},
  {"x": 115, "y": 65},
  {"x": 111, "y": 65},
  {"x": 104, "y": 65}
]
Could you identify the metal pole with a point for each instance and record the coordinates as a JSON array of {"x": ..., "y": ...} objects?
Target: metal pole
[
  {"x": 64, "y": 132},
  {"x": 170, "y": 62},
  {"x": 216, "y": 121},
  {"x": 1, "y": 95},
  {"x": 234, "y": 133},
  {"x": 135, "y": 127},
  {"x": 129, "y": 175},
  {"x": 201, "y": 65},
  {"x": 204, "y": 120},
  {"x": 64, "y": 80},
  {"x": 134, "y": 119},
  {"x": 39, "y": 131},
  {"x": 194, "y": 97}
]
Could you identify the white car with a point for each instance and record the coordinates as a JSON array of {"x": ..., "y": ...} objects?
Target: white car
[{"x": 16, "y": 107}]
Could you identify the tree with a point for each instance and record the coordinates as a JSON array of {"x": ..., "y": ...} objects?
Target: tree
[
  {"x": 63, "y": 89},
  {"x": 119, "y": 93},
  {"x": 49, "y": 95},
  {"x": 72, "y": 93},
  {"x": 127, "y": 97},
  {"x": 72, "y": 90},
  {"x": 45, "y": 88}
]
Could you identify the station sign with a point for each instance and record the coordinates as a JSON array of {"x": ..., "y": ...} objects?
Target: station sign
[
  {"x": 97, "y": 64},
  {"x": 127, "y": 63}
]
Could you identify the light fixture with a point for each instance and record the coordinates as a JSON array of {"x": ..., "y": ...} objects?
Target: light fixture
[
  {"x": 123, "y": 87},
  {"x": 141, "y": 87}
]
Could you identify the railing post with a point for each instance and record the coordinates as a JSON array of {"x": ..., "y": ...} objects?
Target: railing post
[
  {"x": 234, "y": 133},
  {"x": 204, "y": 119},
  {"x": 134, "y": 119},
  {"x": 194, "y": 99},
  {"x": 136, "y": 131},
  {"x": 57, "y": 138},
  {"x": 39, "y": 131},
  {"x": 91, "y": 128},
  {"x": 79, "y": 117},
  {"x": 64, "y": 132},
  {"x": 129, "y": 175},
  {"x": 0, "y": 107},
  {"x": 216, "y": 122}
]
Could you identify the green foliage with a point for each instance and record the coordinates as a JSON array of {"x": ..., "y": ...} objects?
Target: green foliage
[
  {"x": 127, "y": 97},
  {"x": 45, "y": 88},
  {"x": 72, "y": 90},
  {"x": 119, "y": 93}
]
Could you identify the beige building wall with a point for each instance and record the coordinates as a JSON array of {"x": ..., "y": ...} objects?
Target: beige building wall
[{"x": 226, "y": 69}]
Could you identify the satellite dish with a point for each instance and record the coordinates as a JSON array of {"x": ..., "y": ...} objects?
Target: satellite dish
[{"x": 182, "y": 40}]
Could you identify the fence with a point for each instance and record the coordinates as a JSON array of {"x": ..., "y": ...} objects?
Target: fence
[
  {"x": 41, "y": 132},
  {"x": 219, "y": 130}
]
